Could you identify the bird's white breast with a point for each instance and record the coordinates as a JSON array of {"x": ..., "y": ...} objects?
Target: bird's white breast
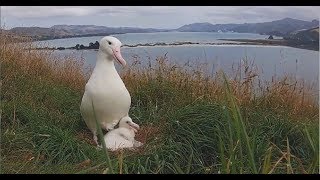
[{"x": 109, "y": 95}]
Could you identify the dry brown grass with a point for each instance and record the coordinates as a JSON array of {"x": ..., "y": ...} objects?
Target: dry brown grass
[
  {"x": 162, "y": 80},
  {"x": 280, "y": 93},
  {"x": 297, "y": 97},
  {"x": 41, "y": 65}
]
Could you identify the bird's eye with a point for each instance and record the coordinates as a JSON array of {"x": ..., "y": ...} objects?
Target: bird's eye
[
  {"x": 109, "y": 43},
  {"x": 127, "y": 121}
]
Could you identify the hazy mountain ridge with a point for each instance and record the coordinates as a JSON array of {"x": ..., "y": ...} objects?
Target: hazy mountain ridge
[
  {"x": 206, "y": 27},
  {"x": 38, "y": 32},
  {"x": 93, "y": 29},
  {"x": 281, "y": 27},
  {"x": 308, "y": 35},
  {"x": 65, "y": 31}
]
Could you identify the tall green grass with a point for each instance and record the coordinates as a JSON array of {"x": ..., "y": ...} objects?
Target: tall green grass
[
  {"x": 238, "y": 125},
  {"x": 190, "y": 123}
]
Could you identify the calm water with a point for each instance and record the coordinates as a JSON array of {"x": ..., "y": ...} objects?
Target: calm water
[
  {"x": 271, "y": 60},
  {"x": 163, "y": 37}
]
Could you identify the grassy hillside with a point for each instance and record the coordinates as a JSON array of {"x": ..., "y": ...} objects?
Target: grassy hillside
[
  {"x": 308, "y": 35},
  {"x": 190, "y": 123},
  {"x": 40, "y": 32}
]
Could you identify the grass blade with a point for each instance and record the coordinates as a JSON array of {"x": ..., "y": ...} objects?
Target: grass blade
[
  {"x": 102, "y": 142},
  {"x": 222, "y": 156},
  {"x": 315, "y": 148},
  {"x": 267, "y": 161},
  {"x": 239, "y": 122}
]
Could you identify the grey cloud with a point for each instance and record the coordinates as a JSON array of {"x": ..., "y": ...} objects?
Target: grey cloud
[
  {"x": 259, "y": 14},
  {"x": 150, "y": 16}
]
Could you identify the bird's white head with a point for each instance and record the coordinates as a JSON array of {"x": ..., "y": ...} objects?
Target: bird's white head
[
  {"x": 111, "y": 47},
  {"x": 127, "y": 122}
]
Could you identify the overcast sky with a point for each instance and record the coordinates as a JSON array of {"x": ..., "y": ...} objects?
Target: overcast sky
[{"x": 149, "y": 16}]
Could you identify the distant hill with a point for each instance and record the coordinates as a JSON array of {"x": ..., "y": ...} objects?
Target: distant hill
[
  {"x": 40, "y": 32},
  {"x": 278, "y": 28},
  {"x": 92, "y": 29},
  {"x": 206, "y": 27},
  {"x": 13, "y": 37},
  {"x": 64, "y": 31},
  {"x": 281, "y": 27},
  {"x": 306, "y": 35}
]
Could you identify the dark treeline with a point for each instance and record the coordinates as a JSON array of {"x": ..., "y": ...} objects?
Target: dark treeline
[{"x": 81, "y": 46}]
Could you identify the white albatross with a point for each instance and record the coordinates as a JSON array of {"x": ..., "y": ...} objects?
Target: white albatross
[
  {"x": 105, "y": 89},
  {"x": 123, "y": 137}
]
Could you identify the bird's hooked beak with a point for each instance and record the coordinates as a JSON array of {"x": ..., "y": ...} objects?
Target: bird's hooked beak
[
  {"x": 118, "y": 56},
  {"x": 134, "y": 126}
]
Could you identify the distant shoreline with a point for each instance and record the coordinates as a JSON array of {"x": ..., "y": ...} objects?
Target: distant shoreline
[
  {"x": 74, "y": 36},
  {"x": 279, "y": 42},
  {"x": 260, "y": 42}
]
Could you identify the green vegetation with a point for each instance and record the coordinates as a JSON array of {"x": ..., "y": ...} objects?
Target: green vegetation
[{"x": 189, "y": 123}]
